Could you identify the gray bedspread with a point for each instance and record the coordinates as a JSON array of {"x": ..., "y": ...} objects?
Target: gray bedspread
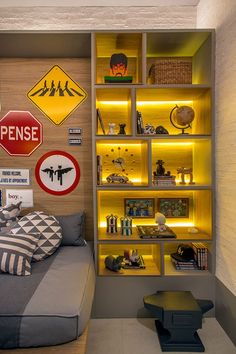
[{"x": 53, "y": 305}]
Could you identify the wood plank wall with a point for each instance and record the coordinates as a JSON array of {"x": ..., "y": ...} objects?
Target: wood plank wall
[{"x": 17, "y": 77}]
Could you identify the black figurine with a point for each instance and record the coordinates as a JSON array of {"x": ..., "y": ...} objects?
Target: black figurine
[
  {"x": 114, "y": 264},
  {"x": 161, "y": 130},
  {"x": 160, "y": 170},
  {"x": 122, "y": 129}
]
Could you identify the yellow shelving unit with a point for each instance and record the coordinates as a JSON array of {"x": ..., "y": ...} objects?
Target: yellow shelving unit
[{"x": 135, "y": 155}]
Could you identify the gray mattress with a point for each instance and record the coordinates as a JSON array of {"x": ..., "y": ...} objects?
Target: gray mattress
[{"x": 53, "y": 305}]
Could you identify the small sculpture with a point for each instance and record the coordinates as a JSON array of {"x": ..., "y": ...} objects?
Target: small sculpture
[
  {"x": 126, "y": 226},
  {"x": 160, "y": 219},
  {"x": 111, "y": 130},
  {"x": 114, "y": 264},
  {"x": 161, "y": 130},
  {"x": 160, "y": 170},
  {"x": 149, "y": 129},
  {"x": 122, "y": 129},
  {"x": 111, "y": 224},
  {"x": 185, "y": 171}
]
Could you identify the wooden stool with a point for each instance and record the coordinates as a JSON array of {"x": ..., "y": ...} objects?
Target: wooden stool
[{"x": 179, "y": 315}]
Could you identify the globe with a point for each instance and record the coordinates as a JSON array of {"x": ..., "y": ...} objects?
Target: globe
[
  {"x": 181, "y": 117},
  {"x": 184, "y": 115}
]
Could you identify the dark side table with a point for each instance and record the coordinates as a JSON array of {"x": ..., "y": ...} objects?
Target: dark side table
[{"x": 179, "y": 315}]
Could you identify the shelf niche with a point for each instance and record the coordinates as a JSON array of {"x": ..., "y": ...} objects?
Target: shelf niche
[
  {"x": 150, "y": 254},
  {"x": 190, "y": 153},
  {"x": 134, "y": 155},
  {"x": 129, "y": 44},
  {"x": 169, "y": 268},
  {"x": 156, "y": 105},
  {"x": 196, "y": 46},
  {"x": 199, "y": 216},
  {"x": 115, "y": 107}
]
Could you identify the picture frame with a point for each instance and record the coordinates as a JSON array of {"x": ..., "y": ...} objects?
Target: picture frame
[
  {"x": 173, "y": 207},
  {"x": 139, "y": 207}
]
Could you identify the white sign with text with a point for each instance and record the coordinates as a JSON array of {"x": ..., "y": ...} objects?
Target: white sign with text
[
  {"x": 14, "y": 177},
  {"x": 14, "y": 196}
]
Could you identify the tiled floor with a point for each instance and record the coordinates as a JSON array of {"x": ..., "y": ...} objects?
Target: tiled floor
[{"x": 138, "y": 336}]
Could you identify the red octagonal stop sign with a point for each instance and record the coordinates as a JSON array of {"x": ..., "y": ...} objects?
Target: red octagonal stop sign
[{"x": 20, "y": 133}]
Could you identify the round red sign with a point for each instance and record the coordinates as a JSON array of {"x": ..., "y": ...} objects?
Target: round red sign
[
  {"x": 20, "y": 133},
  {"x": 57, "y": 172}
]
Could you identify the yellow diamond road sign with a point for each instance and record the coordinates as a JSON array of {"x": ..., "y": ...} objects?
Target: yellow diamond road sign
[{"x": 57, "y": 95}]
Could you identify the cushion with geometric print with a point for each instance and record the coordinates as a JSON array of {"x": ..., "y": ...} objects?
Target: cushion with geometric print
[{"x": 38, "y": 222}]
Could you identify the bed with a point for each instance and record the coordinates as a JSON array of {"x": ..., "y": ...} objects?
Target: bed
[{"x": 53, "y": 305}]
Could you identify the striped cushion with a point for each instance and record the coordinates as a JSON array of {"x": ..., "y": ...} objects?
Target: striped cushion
[{"x": 16, "y": 253}]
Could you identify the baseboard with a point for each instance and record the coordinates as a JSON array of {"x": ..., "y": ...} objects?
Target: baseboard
[{"x": 225, "y": 309}]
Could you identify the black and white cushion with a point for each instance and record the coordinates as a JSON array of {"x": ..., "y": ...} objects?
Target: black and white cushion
[
  {"x": 47, "y": 226},
  {"x": 16, "y": 253},
  {"x": 8, "y": 216}
]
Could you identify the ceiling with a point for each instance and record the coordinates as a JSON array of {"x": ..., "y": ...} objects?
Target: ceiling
[{"x": 121, "y": 3}]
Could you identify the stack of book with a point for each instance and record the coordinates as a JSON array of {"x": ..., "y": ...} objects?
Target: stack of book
[
  {"x": 184, "y": 265},
  {"x": 201, "y": 255},
  {"x": 164, "y": 181}
]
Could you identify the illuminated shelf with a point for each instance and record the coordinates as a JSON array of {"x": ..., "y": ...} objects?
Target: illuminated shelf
[
  {"x": 181, "y": 233},
  {"x": 153, "y": 188},
  {"x": 151, "y": 269},
  {"x": 149, "y": 252},
  {"x": 169, "y": 269},
  {"x": 164, "y": 86},
  {"x": 109, "y": 43},
  {"x": 154, "y": 136}
]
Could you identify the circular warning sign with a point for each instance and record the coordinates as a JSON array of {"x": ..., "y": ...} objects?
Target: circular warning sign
[{"x": 57, "y": 172}]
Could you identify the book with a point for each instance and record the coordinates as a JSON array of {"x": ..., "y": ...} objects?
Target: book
[
  {"x": 182, "y": 265},
  {"x": 99, "y": 170},
  {"x": 201, "y": 255}
]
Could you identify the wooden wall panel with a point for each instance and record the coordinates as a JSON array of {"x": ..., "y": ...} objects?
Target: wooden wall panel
[{"x": 17, "y": 77}]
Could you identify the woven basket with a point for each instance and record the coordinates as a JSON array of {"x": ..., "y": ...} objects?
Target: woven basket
[{"x": 175, "y": 70}]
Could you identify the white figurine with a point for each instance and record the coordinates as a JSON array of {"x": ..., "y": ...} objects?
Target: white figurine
[
  {"x": 160, "y": 219},
  {"x": 111, "y": 130}
]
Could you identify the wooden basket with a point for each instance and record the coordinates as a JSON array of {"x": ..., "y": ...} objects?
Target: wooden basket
[{"x": 175, "y": 70}]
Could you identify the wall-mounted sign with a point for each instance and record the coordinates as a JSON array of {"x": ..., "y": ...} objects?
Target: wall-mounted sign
[
  {"x": 20, "y": 133},
  {"x": 57, "y": 95},
  {"x": 13, "y": 196},
  {"x": 14, "y": 176},
  {"x": 75, "y": 141},
  {"x": 77, "y": 131},
  {"x": 57, "y": 172}
]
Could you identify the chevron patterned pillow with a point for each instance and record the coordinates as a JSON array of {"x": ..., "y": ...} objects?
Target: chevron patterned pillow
[
  {"x": 47, "y": 226},
  {"x": 16, "y": 253}
]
